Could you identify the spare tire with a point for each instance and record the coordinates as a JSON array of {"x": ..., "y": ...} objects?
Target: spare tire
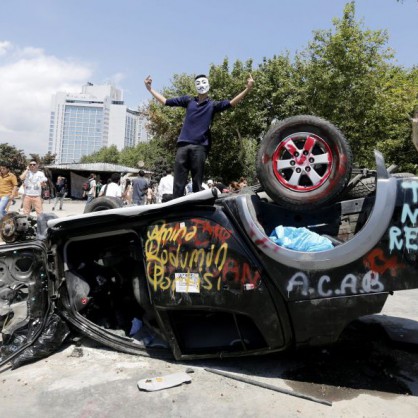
[
  {"x": 366, "y": 187},
  {"x": 103, "y": 203},
  {"x": 304, "y": 162}
]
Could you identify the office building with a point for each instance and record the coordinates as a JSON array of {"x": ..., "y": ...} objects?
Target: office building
[{"x": 97, "y": 117}]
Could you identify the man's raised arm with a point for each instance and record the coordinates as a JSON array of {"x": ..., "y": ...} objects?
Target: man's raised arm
[
  {"x": 239, "y": 97},
  {"x": 158, "y": 96}
]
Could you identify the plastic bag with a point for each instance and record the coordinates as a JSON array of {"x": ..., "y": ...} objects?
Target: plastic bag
[
  {"x": 300, "y": 239},
  {"x": 51, "y": 338}
]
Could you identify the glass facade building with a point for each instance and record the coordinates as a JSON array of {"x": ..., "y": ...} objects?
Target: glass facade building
[{"x": 81, "y": 124}]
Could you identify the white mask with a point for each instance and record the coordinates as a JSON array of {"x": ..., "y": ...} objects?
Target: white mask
[{"x": 202, "y": 85}]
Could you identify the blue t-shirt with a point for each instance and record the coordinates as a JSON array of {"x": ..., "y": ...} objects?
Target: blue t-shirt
[{"x": 199, "y": 116}]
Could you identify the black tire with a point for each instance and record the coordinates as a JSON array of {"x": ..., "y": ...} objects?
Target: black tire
[
  {"x": 304, "y": 162},
  {"x": 367, "y": 187},
  {"x": 363, "y": 188},
  {"x": 103, "y": 203}
]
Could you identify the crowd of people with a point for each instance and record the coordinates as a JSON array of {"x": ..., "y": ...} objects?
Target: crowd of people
[
  {"x": 142, "y": 190},
  {"x": 35, "y": 188}
]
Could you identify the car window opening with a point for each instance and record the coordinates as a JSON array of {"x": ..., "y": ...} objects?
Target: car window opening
[{"x": 106, "y": 285}]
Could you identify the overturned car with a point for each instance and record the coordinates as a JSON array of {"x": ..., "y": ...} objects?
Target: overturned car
[{"x": 199, "y": 276}]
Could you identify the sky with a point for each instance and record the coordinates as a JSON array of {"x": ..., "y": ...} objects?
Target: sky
[{"x": 48, "y": 46}]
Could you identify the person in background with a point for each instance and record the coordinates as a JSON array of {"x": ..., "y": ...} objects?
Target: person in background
[
  {"x": 165, "y": 187},
  {"x": 140, "y": 187},
  {"x": 127, "y": 193},
  {"x": 242, "y": 182},
  {"x": 113, "y": 187},
  {"x": 33, "y": 181},
  {"x": 60, "y": 192},
  {"x": 99, "y": 185},
  {"x": 221, "y": 187},
  {"x": 104, "y": 188},
  {"x": 150, "y": 195},
  {"x": 234, "y": 186},
  {"x": 91, "y": 194},
  {"x": 8, "y": 188}
]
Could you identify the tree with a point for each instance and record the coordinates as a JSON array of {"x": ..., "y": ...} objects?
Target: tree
[
  {"x": 347, "y": 75},
  {"x": 351, "y": 80},
  {"x": 104, "y": 155},
  {"x": 280, "y": 90},
  {"x": 14, "y": 157},
  {"x": 47, "y": 159},
  {"x": 153, "y": 153}
]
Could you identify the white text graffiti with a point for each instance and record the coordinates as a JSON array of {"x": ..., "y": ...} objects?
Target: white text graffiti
[
  {"x": 406, "y": 236},
  {"x": 326, "y": 287}
]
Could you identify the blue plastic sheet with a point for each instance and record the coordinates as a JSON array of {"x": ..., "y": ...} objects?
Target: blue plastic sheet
[{"x": 300, "y": 239}]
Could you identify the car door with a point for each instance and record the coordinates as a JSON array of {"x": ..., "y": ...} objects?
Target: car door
[{"x": 26, "y": 308}]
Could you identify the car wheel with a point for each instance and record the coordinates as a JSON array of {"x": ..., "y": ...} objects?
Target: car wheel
[
  {"x": 304, "y": 162},
  {"x": 103, "y": 203}
]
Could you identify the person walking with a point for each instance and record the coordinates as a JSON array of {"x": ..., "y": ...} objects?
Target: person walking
[
  {"x": 99, "y": 185},
  {"x": 33, "y": 181},
  {"x": 127, "y": 194},
  {"x": 194, "y": 141},
  {"x": 113, "y": 187},
  {"x": 140, "y": 187},
  {"x": 60, "y": 192},
  {"x": 165, "y": 187},
  {"x": 91, "y": 194},
  {"x": 8, "y": 188}
]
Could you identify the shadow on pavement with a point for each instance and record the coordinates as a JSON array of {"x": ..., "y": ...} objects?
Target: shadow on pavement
[{"x": 364, "y": 359}]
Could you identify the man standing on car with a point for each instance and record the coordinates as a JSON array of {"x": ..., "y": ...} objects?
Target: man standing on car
[
  {"x": 33, "y": 181},
  {"x": 194, "y": 141},
  {"x": 8, "y": 188},
  {"x": 139, "y": 188}
]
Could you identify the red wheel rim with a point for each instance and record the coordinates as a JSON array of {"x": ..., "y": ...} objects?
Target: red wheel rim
[{"x": 302, "y": 162}]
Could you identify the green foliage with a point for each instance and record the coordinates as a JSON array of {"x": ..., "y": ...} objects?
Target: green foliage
[
  {"x": 280, "y": 90},
  {"x": 351, "y": 81},
  {"x": 47, "y": 159},
  {"x": 14, "y": 157},
  {"x": 347, "y": 74},
  {"x": 104, "y": 155},
  {"x": 153, "y": 154}
]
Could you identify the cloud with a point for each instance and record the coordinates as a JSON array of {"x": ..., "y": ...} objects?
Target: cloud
[
  {"x": 4, "y": 46},
  {"x": 28, "y": 79}
]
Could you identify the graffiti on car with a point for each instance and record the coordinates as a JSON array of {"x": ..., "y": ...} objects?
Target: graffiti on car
[
  {"x": 350, "y": 284},
  {"x": 406, "y": 236},
  {"x": 195, "y": 255}
]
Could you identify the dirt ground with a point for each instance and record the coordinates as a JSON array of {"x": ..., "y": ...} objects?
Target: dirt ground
[{"x": 372, "y": 372}]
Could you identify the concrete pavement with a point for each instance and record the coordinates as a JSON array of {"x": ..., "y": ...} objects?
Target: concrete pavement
[
  {"x": 366, "y": 375},
  {"x": 70, "y": 207}
]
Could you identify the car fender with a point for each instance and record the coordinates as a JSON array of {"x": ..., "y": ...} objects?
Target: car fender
[{"x": 364, "y": 241}]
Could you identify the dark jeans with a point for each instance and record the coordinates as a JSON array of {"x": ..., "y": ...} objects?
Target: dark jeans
[{"x": 189, "y": 157}]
